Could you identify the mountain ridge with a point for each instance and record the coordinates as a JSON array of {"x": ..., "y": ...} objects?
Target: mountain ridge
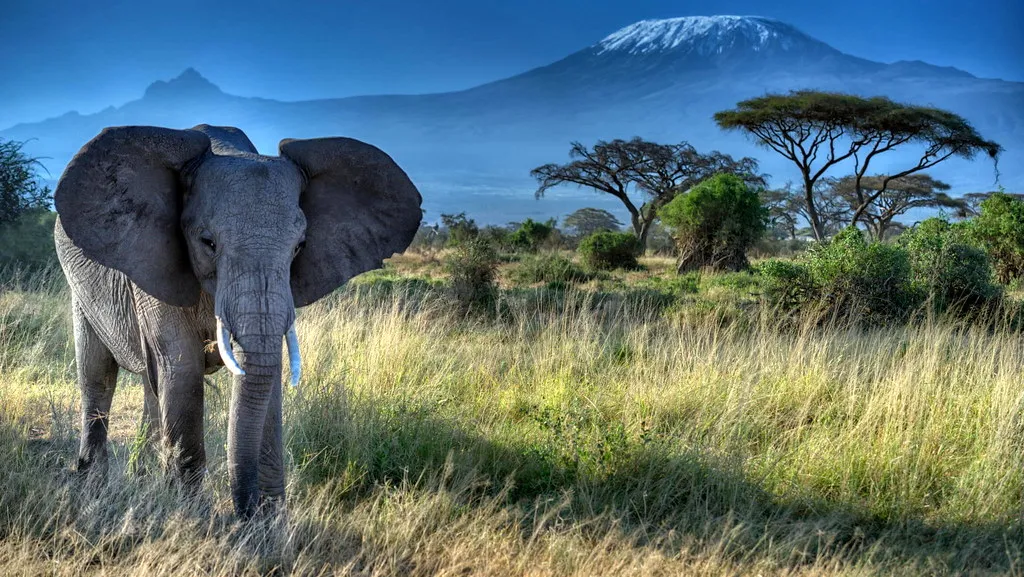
[{"x": 660, "y": 82}]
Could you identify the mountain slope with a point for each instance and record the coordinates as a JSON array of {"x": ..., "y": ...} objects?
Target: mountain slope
[{"x": 660, "y": 79}]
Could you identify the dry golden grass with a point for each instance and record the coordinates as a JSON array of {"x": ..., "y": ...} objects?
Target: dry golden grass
[{"x": 574, "y": 439}]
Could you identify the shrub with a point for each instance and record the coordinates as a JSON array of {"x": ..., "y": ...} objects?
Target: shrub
[
  {"x": 947, "y": 266},
  {"x": 27, "y": 242},
  {"x": 715, "y": 223},
  {"x": 871, "y": 281},
  {"x": 548, "y": 268},
  {"x": 460, "y": 229},
  {"x": 847, "y": 277},
  {"x": 609, "y": 251},
  {"x": 472, "y": 268},
  {"x": 20, "y": 190},
  {"x": 787, "y": 284},
  {"x": 999, "y": 228},
  {"x": 496, "y": 236},
  {"x": 530, "y": 234}
]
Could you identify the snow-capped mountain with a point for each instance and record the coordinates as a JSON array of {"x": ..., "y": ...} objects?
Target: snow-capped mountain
[
  {"x": 708, "y": 35},
  {"x": 660, "y": 79}
]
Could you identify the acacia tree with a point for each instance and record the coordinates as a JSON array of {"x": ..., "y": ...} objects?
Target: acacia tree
[
  {"x": 941, "y": 133},
  {"x": 818, "y": 130},
  {"x": 783, "y": 216},
  {"x": 788, "y": 209},
  {"x": 973, "y": 200},
  {"x": 894, "y": 197},
  {"x": 587, "y": 221},
  {"x": 19, "y": 186},
  {"x": 658, "y": 172}
]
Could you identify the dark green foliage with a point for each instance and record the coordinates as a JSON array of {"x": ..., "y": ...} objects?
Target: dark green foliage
[
  {"x": 999, "y": 228},
  {"x": 787, "y": 284},
  {"x": 948, "y": 267},
  {"x": 472, "y": 267},
  {"x": 548, "y": 268},
  {"x": 846, "y": 277},
  {"x": 609, "y": 251},
  {"x": 530, "y": 235},
  {"x": 27, "y": 243},
  {"x": 870, "y": 281},
  {"x": 715, "y": 223},
  {"x": 20, "y": 190},
  {"x": 460, "y": 229},
  {"x": 880, "y": 282}
]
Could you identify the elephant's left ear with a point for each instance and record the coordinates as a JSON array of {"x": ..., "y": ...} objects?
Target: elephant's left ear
[{"x": 360, "y": 209}]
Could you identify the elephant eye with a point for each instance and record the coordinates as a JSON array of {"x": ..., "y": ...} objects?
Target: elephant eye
[{"x": 209, "y": 243}]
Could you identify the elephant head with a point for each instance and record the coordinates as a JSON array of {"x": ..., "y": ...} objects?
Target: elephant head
[{"x": 184, "y": 211}]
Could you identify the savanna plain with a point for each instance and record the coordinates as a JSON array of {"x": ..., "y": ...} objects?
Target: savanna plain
[{"x": 635, "y": 424}]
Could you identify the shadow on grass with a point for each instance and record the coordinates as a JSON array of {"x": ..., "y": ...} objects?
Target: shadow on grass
[
  {"x": 661, "y": 496},
  {"x": 666, "y": 495}
]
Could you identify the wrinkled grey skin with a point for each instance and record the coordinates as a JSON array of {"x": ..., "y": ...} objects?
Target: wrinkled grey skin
[{"x": 159, "y": 230}]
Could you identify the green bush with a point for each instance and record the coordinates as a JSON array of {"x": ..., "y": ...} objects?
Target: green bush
[
  {"x": 871, "y": 281},
  {"x": 999, "y": 228},
  {"x": 472, "y": 268},
  {"x": 461, "y": 229},
  {"x": 497, "y": 236},
  {"x": 787, "y": 284},
  {"x": 20, "y": 189},
  {"x": 548, "y": 268},
  {"x": 715, "y": 223},
  {"x": 609, "y": 251},
  {"x": 948, "y": 267},
  {"x": 846, "y": 277},
  {"x": 530, "y": 234},
  {"x": 27, "y": 242}
]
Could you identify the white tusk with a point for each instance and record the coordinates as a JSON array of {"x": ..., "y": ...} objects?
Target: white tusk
[
  {"x": 294, "y": 356},
  {"x": 227, "y": 354}
]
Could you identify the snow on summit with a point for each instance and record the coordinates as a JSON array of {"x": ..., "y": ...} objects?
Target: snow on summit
[{"x": 703, "y": 34}]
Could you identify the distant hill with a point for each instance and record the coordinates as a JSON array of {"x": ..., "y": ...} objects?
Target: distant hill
[{"x": 661, "y": 79}]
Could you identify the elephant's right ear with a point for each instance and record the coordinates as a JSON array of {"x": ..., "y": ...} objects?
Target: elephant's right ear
[{"x": 120, "y": 201}]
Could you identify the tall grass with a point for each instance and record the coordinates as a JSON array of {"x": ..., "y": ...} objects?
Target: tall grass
[{"x": 569, "y": 437}]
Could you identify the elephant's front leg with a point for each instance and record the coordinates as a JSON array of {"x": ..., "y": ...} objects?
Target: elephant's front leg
[
  {"x": 97, "y": 378},
  {"x": 175, "y": 364},
  {"x": 150, "y": 408},
  {"x": 180, "y": 386}
]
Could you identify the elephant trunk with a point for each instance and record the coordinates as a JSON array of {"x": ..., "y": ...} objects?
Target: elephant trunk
[
  {"x": 255, "y": 407},
  {"x": 258, "y": 321}
]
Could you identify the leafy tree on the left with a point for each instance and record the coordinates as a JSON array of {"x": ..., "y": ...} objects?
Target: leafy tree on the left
[{"x": 20, "y": 190}]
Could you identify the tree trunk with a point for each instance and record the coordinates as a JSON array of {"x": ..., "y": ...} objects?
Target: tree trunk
[
  {"x": 812, "y": 210},
  {"x": 641, "y": 238},
  {"x": 701, "y": 256}
]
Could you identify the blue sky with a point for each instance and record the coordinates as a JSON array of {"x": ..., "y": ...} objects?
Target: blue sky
[{"x": 84, "y": 56}]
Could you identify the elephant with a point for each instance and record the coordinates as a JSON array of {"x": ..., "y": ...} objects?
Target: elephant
[{"x": 187, "y": 250}]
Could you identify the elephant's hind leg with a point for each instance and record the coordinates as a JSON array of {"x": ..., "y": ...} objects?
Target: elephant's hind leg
[{"x": 97, "y": 378}]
